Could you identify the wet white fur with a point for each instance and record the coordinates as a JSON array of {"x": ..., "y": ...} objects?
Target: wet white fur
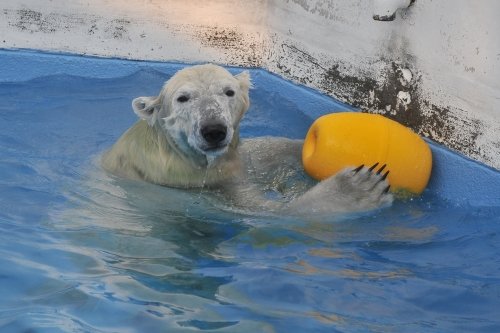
[{"x": 165, "y": 147}]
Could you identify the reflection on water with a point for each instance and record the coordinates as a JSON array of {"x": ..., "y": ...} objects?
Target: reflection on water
[{"x": 83, "y": 251}]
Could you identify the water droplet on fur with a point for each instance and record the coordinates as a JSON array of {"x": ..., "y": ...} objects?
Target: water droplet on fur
[{"x": 210, "y": 161}]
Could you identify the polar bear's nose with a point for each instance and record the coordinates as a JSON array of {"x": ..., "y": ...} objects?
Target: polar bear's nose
[{"x": 214, "y": 134}]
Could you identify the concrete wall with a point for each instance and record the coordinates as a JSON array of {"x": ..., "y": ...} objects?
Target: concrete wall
[{"x": 436, "y": 67}]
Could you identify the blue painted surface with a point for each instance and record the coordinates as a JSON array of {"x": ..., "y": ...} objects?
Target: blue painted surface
[
  {"x": 462, "y": 180},
  {"x": 81, "y": 251}
]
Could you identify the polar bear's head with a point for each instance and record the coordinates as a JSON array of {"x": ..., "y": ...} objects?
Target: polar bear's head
[{"x": 199, "y": 110}]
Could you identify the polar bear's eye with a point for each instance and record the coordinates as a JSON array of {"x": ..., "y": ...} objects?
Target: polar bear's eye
[
  {"x": 230, "y": 93},
  {"x": 182, "y": 99}
]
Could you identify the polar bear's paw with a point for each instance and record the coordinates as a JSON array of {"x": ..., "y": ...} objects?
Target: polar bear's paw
[
  {"x": 364, "y": 187},
  {"x": 350, "y": 190}
]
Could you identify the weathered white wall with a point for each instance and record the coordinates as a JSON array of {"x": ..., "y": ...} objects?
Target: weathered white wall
[
  {"x": 435, "y": 68},
  {"x": 181, "y": 30}
]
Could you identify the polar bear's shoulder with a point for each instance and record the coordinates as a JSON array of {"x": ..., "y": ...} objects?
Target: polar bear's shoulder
[{"x": 134, "y": 146}]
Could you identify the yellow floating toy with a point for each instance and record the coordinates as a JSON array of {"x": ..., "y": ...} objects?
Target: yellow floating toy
[{"x": 349, "y": 139}]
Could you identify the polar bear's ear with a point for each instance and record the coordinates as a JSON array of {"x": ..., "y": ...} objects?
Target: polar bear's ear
[
  {"x": 146, "y": 108},
  {"x": 244, "y": 79},
  {"x": 245, "y": 85}
]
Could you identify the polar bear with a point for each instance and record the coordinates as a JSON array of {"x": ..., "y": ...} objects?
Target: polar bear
[{"x": 188, "y": 137}]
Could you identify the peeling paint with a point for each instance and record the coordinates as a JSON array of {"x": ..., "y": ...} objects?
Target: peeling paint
[
  {"x": 407, "y": 76},
  {"x": 404, "y": 98}
]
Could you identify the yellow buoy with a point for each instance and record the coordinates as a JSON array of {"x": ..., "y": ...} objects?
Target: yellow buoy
[{"x": 349, "y": 139}]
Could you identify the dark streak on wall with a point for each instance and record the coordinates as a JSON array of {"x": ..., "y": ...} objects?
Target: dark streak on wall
[
  {"x": 377, "y": 92},
  {"x": 437, "y": 123}
]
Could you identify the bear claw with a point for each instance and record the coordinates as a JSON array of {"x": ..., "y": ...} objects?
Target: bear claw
[
  {"x": 358, "y": 169},
  {"x": 373, "y": 167},
  {"x": 381, "y": 169}
]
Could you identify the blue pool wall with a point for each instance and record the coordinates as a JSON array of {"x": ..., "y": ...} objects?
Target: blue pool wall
[{"x": 455, "y": 178}]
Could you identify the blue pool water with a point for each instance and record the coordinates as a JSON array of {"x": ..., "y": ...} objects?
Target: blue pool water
[{"x": 83, "y": 251}]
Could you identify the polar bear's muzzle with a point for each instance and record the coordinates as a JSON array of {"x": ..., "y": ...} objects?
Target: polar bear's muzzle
[
  {"x": 214, "y": 129},
  {"x": 214, "y": 135}
]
